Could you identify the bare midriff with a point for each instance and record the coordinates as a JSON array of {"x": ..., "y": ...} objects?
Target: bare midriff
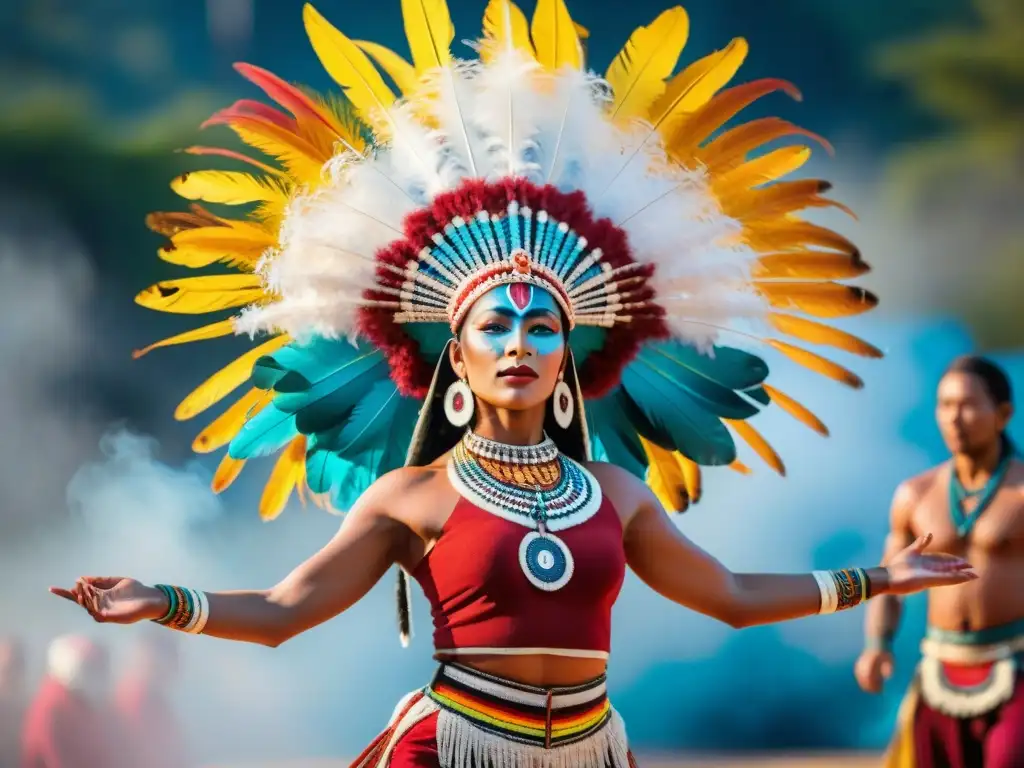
[{"x": 540, "y": 670}]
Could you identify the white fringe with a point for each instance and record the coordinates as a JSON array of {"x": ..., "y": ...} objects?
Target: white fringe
[
  {"x": 940, "y": 694},
  {"x": 462, "y": 744}
]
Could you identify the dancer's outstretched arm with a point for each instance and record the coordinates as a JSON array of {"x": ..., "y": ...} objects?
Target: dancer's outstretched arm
[
  {"x": 677, "y": 568},
  {"x": 368, "y": 543}
]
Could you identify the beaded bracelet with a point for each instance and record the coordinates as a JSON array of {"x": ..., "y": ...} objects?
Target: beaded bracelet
[
  {"x": 188, "y": 609},
  {"x": 841, "y": 590}
]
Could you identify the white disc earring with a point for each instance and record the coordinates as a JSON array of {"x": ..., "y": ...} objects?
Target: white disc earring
[
  {"x": 563, "y": 406},
  {"x": 459, "y": 404}
]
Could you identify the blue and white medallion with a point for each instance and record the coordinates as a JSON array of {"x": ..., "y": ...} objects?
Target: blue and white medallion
[{"x": 546, "y": 561}]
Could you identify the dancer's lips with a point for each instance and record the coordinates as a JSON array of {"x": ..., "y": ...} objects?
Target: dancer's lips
[{"x": 520, "y": 374}]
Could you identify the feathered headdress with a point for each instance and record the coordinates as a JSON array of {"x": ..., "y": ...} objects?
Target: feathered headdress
[{"x": 657, "y": 229}]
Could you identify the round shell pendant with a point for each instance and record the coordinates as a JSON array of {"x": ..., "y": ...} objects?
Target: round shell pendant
[{"x": 546, "y": 561}]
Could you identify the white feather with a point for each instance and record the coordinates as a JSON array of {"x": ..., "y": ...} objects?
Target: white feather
[{"x": 508, "y": 118}]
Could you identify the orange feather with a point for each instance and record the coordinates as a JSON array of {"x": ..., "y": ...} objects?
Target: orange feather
[
  {"x": 817, "y": 299},
  {"x": 227, "y": 472},
  {"x": 809, "y": 265},
  {"x": 223, "y": 429},
  {"x": 819, "y": 333},
  {"x": 761, "y": 447},
  {"x": 795, "y": 409},
  {"x": 818, "y": 364},
  {"x": 288, "y": 471}
]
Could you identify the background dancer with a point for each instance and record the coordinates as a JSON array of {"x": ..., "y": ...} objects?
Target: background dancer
[{"x": 965, "y": 707}]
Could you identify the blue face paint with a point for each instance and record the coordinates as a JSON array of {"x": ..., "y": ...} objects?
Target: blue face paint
[{"x": 511, "y": 310}]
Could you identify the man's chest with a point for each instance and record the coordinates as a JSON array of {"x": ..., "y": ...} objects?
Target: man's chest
[{"x": 996, "y": 528}]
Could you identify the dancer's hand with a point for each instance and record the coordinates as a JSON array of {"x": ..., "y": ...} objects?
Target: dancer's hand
[
  {"x": 873, "y": 668},
  {"x": 913, "y": 571},
  {"x": 115, "y": 599}
]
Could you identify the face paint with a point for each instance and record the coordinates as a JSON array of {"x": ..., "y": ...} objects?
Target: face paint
[{"x": 514, "y": 309}]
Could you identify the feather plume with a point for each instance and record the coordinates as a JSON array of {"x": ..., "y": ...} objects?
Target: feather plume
[
  {"x": 228, "y": 187},
  {"x": 288, "y": 471},
  {"x": 505, "y": 26},
  {"x": 763, "y": 169},
  {"x": 227, "y": 472},
  {"x": 398, "y": 69},
  {"x": 726, "y": 104},
  {"x": 796, "y": 410},
  {"x": 694, "y": 86},
  {"x": 637, "y": 75},
  {"x": 199, "y": 295},
  {"x": 731, "y": 147},
  {"x": 665, "y": 477},
  {"x": 171, "y": 223},
  {"x": 761, "y": 447},
  {"x": 555, "y": 37},
  {"x": 223, "y": 429},
  {"x": 350, "y": 69},
  {"x": 211, "y": 331},
  {"x": 824, "y": 299},
  {"x": 691, "y": 477},
  {"x": 808, "y": 265},
  {"x": 239, "y": 245},
  {"x": 430, "y": 32},
  {"x": 818, "y": 364},
  {"x": 225, "y": 381},
  {"x": 818, "y": 333}
]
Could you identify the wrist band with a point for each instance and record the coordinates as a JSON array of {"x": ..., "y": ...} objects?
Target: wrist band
[
  {"x": 189, "y": 609},
  {"x": 841, "y": 590},
  {"x": 880, "y": 643}
]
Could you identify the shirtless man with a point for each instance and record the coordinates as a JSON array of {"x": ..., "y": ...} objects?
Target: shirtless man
[{"x": 965, "y": 708}]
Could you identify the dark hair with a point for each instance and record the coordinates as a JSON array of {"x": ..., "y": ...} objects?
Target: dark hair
[{"x": 992, "y": 376}]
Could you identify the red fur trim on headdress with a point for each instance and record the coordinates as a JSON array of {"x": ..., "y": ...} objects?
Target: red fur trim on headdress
[{"x": 411, "y": 372}]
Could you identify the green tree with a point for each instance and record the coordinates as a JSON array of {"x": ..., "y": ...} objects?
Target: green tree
[{"x": 969, "y": 179}]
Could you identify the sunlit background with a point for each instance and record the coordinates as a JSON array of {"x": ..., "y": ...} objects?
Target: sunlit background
[{"x": 924, "y": 102}]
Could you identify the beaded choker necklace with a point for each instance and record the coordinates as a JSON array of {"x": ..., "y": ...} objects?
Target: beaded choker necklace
[{"x": 534, "y": 486}]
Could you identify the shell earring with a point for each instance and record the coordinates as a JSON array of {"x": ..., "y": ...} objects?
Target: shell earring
[
  {"x": 562, "y": 404},
  {"x": 459, "y": 403}
]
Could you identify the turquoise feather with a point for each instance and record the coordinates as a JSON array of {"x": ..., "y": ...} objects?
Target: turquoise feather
[
  {"x": 586, "y": 340},
  {"x": 681, "y": 422},
  {"x": 329, "y": 404},
  {"x": 264, "y": 434},
  {"x": 663, "y": 362},
  {"x": 613, "y": 434}
]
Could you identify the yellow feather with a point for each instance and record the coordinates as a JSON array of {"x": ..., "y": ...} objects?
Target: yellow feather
[
  {"x": 817, "y": 363},
  {"x": 818, "y": 333},
  {"x": 796, "y": 410},
  {"x": 695, "y": 85},
  {"x": 637, "y": 75},
  {"x": 817, "y": 299},
  {"x": 398, "y": 69},
  {"x": 211, "y": 331},
  {"x": 767, "y": 167},
  {"x": 226, "y": 380},
  {"x": 794, "y": 235},
  {"x": 495, "y": 22},
  {"x": 429, "y": 30},
  {"x": 808, "y": 265},
  {"x": 303, "y": 160},
  {"x": 198, "y": 295},
  {"x": 581, "y": 31},
  {"x": 239, "y": 246},
  {"x": 351, "y": 69},
  {"x": 761, "y": 447},
  {"x": 228, "y": 187},
  {"x": 739, "y": 466},
  {"x": 664, "y": 477},
  {"x": 554, "y": 36},
  {"x": 227, "y": 472},
  {"x": 223, "y": 429},
  {"x": 287, "y": 472},
  {"x": 691, "y": 477}
]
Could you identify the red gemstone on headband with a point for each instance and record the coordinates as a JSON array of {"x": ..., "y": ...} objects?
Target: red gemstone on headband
[
  {"x": 521, "y": 293},
  {"x": 458, "y": 402}
]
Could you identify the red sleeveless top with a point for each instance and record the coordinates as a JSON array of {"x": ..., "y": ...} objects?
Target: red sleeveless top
[{"x": 480, "y": 599}]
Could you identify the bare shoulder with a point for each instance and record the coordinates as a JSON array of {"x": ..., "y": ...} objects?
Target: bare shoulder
[
  {"x": 397, "y": 488},
  {"x": 912, "y": 490},
  {"x": 627, "y": 492}
]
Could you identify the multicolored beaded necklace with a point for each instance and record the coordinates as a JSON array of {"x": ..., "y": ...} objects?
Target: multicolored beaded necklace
[
  {"x": 534, "y": 486},
  {"x": 958, "y": 494}
]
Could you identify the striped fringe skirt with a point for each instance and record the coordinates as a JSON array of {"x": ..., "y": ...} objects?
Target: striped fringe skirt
[{"x": 467, "y": 719}]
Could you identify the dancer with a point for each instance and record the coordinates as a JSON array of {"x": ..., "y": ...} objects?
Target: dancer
[
  {"x": 68, "y": 723},
  {"x": 965, "y": 707},
  {"x": 499, "y": 307}
]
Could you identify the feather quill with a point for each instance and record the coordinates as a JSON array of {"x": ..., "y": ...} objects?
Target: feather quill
[
  {"x": 555, "y": 37},
  {"x": 637, "y": 75}
]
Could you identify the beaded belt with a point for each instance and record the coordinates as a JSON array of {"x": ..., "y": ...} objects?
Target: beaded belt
[{"x": 541, "y": 717}]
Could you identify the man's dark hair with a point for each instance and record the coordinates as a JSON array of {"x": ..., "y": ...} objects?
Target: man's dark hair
[{"x": 992, "y": 376}]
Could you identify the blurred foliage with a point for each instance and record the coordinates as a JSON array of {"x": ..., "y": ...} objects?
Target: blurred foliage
[{"x": 970, "y": 178}]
